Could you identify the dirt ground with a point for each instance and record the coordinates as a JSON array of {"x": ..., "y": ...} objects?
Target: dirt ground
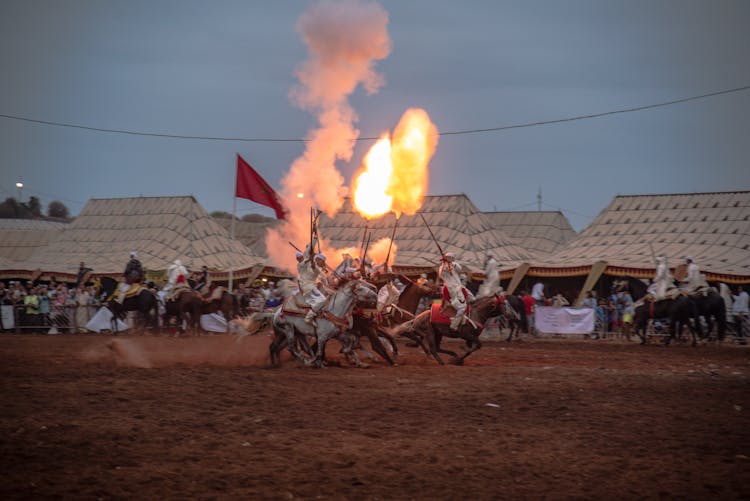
[{"x": 89, "y": 417}]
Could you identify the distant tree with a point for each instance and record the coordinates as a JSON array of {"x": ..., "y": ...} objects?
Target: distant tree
[
  {"x": 221, "y": 214},
  {"x": 257, "y": 218},
  {"x": 58, "y": 210},
  {"x": 35, "y": 207},
  {"x": 10, "y": 208}
]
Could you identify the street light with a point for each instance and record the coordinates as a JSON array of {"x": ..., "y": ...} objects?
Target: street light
[{"x": 19, "y": 185}]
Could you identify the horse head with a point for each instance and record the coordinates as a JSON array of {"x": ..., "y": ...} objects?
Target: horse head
[{"x": 364, "y": 292}]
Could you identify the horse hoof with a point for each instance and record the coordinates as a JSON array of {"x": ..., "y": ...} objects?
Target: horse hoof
[{"x": 457, "y": 361}]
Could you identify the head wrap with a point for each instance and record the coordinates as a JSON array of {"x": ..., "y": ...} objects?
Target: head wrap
[
  {"x": 689, "y": 258},
  {"x": 320, "y": 256},
  {"x": 298, "y": 254},
  {"x": 133, "y": 254}
]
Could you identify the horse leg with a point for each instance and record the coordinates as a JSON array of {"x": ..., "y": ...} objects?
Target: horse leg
[
  {"x": 289, "y": 332},
  {"x": 433, "y": 343},
  {"x": 438, "y": 341},
  {"x": 473, "y": 344},
  {"x": 384, "y": 335},
  {"x": 377, "y": 345}
]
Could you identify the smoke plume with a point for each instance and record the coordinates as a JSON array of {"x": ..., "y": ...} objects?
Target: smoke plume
[{"x": 344, "y": 40}]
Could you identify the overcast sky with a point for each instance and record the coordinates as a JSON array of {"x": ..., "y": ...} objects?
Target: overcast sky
[{"x": 225, "y": 68}]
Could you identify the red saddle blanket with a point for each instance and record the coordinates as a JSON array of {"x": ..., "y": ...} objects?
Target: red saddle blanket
[{"x": 438, "y": 314}]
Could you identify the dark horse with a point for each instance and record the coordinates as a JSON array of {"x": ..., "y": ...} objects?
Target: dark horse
[
  {"x": 514, "y": 312},
  {"x": 680, "y": 311},
  {"x": 481, "y": 311},
  {"x": 145, "y": 303},
  {"x": 403, "y": 310},
  {"x": 186, "y": 309},
  {"x": 712, "y": 308}
]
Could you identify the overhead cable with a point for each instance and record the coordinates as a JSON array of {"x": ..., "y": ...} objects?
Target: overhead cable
[{"x": 372, "y": 138}]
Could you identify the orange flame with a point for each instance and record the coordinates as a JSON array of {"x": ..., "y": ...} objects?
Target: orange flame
[{"x": 395, "y": 172}]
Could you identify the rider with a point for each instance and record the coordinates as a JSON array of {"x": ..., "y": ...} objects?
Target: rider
[
  {"x": 450, "y": 274},
  {"x": 388, "y": 294},
  {"x": 133, "y": 274},
  {"x": 310, "y": 274},
  {"x": 203, "y": 279},
  {"x": 176, "y": 279},
  {"x": 491, "y": 277},
  {"x": 693, "y": 280},
  {"x": 662, "y": 279}
]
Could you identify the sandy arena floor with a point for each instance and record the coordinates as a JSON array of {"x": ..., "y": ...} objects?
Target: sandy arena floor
[{"x": 201, "y": 418}]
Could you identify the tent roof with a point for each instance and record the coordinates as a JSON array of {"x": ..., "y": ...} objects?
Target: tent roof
[
  {"x": 541, "y": 232},
  {"x": 714, "y": 228},
  {"x": 456, "y": 222},
  {"x": 160, "y": 229},
  {"x": 252, "y": 234},
  {"x": 20, "y": 238}
]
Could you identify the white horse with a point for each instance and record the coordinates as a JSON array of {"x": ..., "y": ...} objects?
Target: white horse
[{"x": 333, "y": 321}]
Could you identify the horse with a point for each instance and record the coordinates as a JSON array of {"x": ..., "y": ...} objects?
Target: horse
[
  {"x": 145, "y": 303},
  {"x": 186, "y": 308},
  {"x": 680, "y": 311},
  {"x": 333, "y": 321},
  {"x": 435, "y": 328},
  {"x": 712, "y": 307},
  {"x": 403, "y": 310},
  {"x": 514, "y": 312}
]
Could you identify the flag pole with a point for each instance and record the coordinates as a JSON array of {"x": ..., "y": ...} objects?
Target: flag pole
[{"x": 231, "y": 235}]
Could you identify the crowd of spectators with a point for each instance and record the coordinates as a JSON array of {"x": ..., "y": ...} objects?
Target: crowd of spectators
[{"x": 51, "y": 308}]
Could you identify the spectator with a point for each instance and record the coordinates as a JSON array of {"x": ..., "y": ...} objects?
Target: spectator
[
  {"x": 625, "y": 300},
  {"x": 82, "y": 300},
  {"x": 558, "y": 300},
  {"x": 31, "y": 303},
  {"x": 44, "y": 306},
  {"x": 529, "y": 305},
  {"x": 82, "y": 272},
  {"x": 741, "y": 311},
  {"x": 537, "y": 292}
]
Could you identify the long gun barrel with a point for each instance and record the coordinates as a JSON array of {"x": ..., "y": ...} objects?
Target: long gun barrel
[
  {"x": 442, "y": 254},
  {"x": 390, "y": 244}
]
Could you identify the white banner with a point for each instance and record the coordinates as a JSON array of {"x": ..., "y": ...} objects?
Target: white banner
[
  {"x": 564, "y": 320},
  {"x": 7, "y": 317}
]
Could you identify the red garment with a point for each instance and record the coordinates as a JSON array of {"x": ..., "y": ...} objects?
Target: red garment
[
  {"x": 181, "y": 279},
  {"x": 529, "y": 302}
]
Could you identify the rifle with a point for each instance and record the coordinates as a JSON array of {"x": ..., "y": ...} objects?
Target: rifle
[
  {"x": 393, "y": 235},
  {"x": 364, "y": 256},
  {"x": 294, "y": 246},
  {"x": 442, "y": 254},
  {"x": 364, "y": 236}
]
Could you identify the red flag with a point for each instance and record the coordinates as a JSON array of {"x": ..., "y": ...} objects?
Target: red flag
[{"x": 251, "y": 186}]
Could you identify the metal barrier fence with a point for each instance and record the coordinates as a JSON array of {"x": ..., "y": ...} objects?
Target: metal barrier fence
[{"x": 60, "y": 318}]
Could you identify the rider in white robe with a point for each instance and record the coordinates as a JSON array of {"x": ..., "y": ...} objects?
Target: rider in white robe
[
  {"x": 693, "y": 280},
  {"x": 310, "y": 274},
  {"x": 450, "y": 272},
  {"x": 491, "y": 278},
  {"x": 662, "y": 279},
  {"x": 176, "y": 274}
]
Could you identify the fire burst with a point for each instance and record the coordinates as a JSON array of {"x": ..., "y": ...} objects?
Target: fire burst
[{"x": 395, "y": 172}]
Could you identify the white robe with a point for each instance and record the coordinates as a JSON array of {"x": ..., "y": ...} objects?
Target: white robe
[
  {"x": 491, "y": 279},
  {"x": 663, "y": 279},
  {"x": 450, "y": 274},
  {"x": 308, "y": 276}
]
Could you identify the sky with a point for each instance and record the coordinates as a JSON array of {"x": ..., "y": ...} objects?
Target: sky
[{"x": 226, "y": 69}]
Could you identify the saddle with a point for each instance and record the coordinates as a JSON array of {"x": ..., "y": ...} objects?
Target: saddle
[
  {"x": 215, "y": 294},
  {"x": 134, "y": 290},
  {"x": 295, "y": 305}
]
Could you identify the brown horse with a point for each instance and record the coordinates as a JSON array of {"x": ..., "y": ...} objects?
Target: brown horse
[
  {"x": 403, "y": 310},
  {"x": 186, "y": 308},
  {"x": 226, "y": 304},
  {"x": 433, "y": 331}
]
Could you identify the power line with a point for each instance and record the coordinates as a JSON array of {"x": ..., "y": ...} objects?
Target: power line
[{"x": 372, "y": 138}]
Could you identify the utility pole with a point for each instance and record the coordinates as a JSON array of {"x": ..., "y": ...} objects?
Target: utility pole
[{"x": 539, "y": 199}]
